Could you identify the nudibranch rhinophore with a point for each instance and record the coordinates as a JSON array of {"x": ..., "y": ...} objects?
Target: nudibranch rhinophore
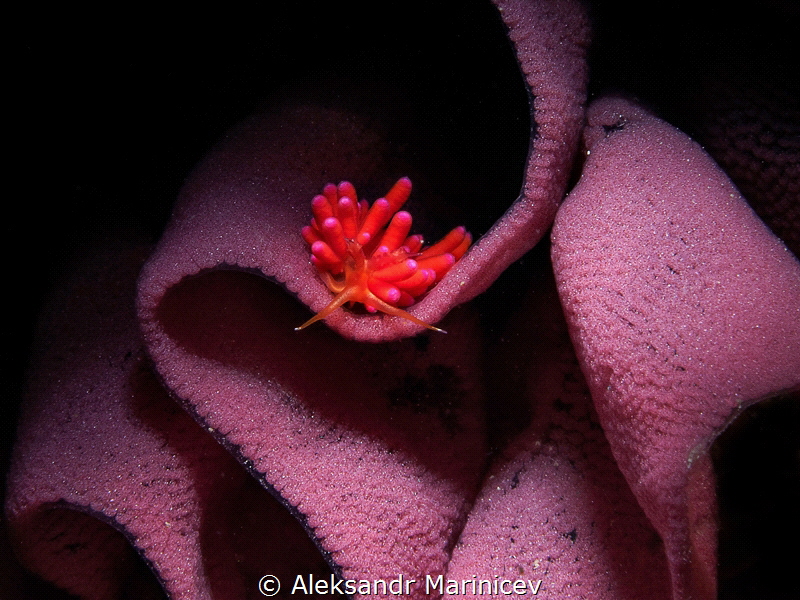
[{"x": 365, "y": 253}]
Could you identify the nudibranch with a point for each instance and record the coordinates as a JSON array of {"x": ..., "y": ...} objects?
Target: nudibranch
[{"x": 365, "y": 254}]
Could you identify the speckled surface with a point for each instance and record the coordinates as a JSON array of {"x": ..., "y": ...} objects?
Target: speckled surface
[
  {"x": 338, "y": 429},
  {"x": 101, "y": 439},
  {"x": 130, "y": 121},
  {"x": 555, "y": 509},
  {"x": 684, "y": 309},
  {"x": 245, "y": 203}
]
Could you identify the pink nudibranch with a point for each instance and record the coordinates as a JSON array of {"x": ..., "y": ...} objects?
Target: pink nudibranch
[{"x": 365, "y": 253}]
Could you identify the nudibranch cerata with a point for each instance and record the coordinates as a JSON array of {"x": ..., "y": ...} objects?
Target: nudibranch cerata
[{"x": 365, "y": 253}]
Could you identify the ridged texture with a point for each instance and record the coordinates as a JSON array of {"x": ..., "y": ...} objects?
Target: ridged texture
[
  {"x": 100, "y": 442},
  {"x": 684, "y": 309},
  {"x": 681, "y": 305},
  {"x": 555, "y": 509},
  {"x": 754, "y": 134}
]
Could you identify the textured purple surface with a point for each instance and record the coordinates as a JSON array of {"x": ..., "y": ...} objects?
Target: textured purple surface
[
  {"x": 100, "y": 438},
  {"x": 244, "y": 205},
  {"x": 554, "y": 507},
  {"x": 684, "y": 309},
  {"x": 341, "y": 430},
  {"x": 372, "y": 445}
]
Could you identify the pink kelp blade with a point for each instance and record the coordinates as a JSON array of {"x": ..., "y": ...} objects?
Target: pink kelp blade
[
  {"x": 376, "y": 448},
  {"x": 247, "y": 202},
  {"x": 684, "y": 310},
  {"x": 333, "y": 427},
  {"x": 550, "y": 39},
  {"x": 105, "y": 458},
  {"x": 555, "y": 514},
  {"x": 393, "y": 453},
  {"x": 749, "y": 121}
]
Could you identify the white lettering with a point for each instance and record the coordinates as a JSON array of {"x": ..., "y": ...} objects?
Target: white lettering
[
  {"x": 335, "y": 583},
  {"x": 465, "y": 583},
  {"x": 363, "y": 587},
  {"x": 400, "y": 586},
  {"x": 299, "y": 583},
  {"x": 408, "y": 585},
  {"x": 430, "y": 583}
]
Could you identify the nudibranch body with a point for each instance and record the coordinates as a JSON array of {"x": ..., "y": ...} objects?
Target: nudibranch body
[{"x": 365, "y": 253}]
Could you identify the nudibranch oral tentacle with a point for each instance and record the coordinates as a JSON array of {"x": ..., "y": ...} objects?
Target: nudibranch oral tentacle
[{"x": 365, "y": 254}]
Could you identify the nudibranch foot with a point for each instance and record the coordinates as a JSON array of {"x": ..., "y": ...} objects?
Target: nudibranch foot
[{"x": 365, "y": 253}]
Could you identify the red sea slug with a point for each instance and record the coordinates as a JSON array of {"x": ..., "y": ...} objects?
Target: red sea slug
[{"x": 365, "y": 253}]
